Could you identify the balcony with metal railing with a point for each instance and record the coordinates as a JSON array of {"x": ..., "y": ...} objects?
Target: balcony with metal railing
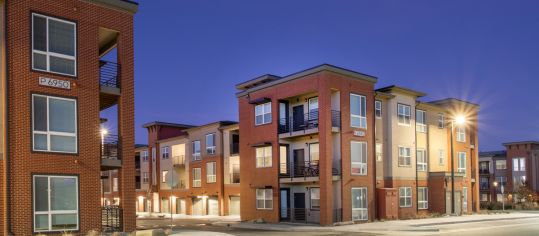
[
  {"x": 178, "y": 161},
  {"x": 306, "y": 124},
  {"x": 234, "y": 149},
  {"x": 235, "y": 178},
  {"x": 110, "y": 152},
  {"x": 301, "y": 172},
  {"x": 109, "y": 82}
]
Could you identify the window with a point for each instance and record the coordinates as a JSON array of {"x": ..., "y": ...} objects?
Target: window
[
  {"x": 54, "y": 124},
  {"x": 313, "y": 109},
  {"x": 263, "y": 114},
  {"x": 464, "y": 199},
  {"x": 501, "y": 164},
  {"x": 379, "y": 152},
  {"x": 461, "y": 134},
  {"x": 145, "y": 156},
  {"x": 500, "y": 197},
  {"x": 263, "y": 157},
  {"x": 359, "y": 204},
  {"x": 441, "y": 121},
  {"x": 115, "y": 184},
  {"x": 358, "y": 111},
  {"x": 55, "y": 203},
  {"x": 165, "y": 153},
  {"x": 359, "y": 157},
  {"x": 164, "y": 176},
  {"x": 441, "y": 157},
  {"x": 54, "y": 46},
  {"x": 421, "y": 121},
  {"x": 405, "y": 197},
  {"x": 423, "y": 198},
  {"x": 196, "y": 151},
  {"x": 145, "y": 177},
  {"x": 461, "y": 167},
  {"x": 519, "y": 164},
  {"x": 378, "y": 109},
  {"x": 315, "y": 198},
  {"x": 264, "y": 199},
  {"x": 485, "y": 197},
  {"x": 210, "y": 144},
  {"x": 404, "y": 114},
  {"x": 484, "y": 183},
  {"x": 211, "y": 169},
  {"x": 404, "y": 156},
  {"x": 421, "y": 160},
  {"x": 197, "y": 174},
  {"x": 502, "y": 181},
  {"x": 314, "y": 155}
]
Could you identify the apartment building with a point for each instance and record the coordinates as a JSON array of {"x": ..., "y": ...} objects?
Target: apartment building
[
  {"x": 323, "y": 146},
  {"x": 492, "y": 168},
  {"x": 55, "y": 85},
  {"x": 191, "y": 170}
]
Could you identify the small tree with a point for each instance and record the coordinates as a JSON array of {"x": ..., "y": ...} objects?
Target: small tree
[{"x": 525, "y": 194}]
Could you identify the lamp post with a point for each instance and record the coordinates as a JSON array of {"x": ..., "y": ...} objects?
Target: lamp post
[
  {"x": 502, "y": 191},
  {"x": 103, "y": 133},
  {"x": 459, "y": 120}
]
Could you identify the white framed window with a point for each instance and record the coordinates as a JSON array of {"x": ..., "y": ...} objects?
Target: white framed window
[
  {"x": 264, "y": 199},
  {"x": 464, "y": 199},
  {"x": 421, "y": 155},
  {"x": 196, "y": 151},
  {"x": 461, "y": 167},
  {"x": 358, "y": 111},
  {"x": 211, "y": 175},
  {"x": 314, "y": 153},
  {"x": 313, "y": 109},
  {"x": 441, "y": 157},
  {"x": 315, "y": 198},
  {"x": 421, "y": 121},
  {"x": 423, "y": 198},
  {"x": 378, "y": 109},
  {"x": 405, "y": 197},
  {"x": 519, "y": 164},
  {"x": 145, "y": 177},
  {"x": 263, "y": 157},
  {"x": 54, "y": 45},
  {"x": 164, "y": 175},
  {"x": 210, "y": 144},
  {"x": 404, "y": 114},
  {"x": 54, "y": 124},
  {"x": 55, "y": 203},
  {"x": 263, "y": 114},
  {"x": 115, "y": 184},
  {"x": 485, "y": 197},
  {"x": 461, "y": 134},
  {"x": 404, "y": 156},
  {"x": 144, "y": 156},
  {"x": 359, "y": 204},
  {"x": 441, "y": 121},
  {"x": 197, "y": 180},
  {"x": 358, "y": 156},
  {"x": 379, "y": 151},
  {"x": 501, "y": 164},
  {"x": 165, "y": 154}
]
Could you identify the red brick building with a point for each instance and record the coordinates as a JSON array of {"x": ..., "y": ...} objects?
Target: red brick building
[{"x": 55, "y": 85}]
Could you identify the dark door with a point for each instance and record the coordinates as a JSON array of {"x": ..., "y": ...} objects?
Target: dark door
[
  {"x": 285, "y": 204},
  {"x": 299, "y": 207},
  {"x": 298, "y": 118},
  {"x": 284, "y": 122},
  {"x": 299, "y": 162}
]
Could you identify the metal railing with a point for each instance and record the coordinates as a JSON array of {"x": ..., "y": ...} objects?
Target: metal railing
[
  {"x": 337, "y": 215},
  {"x": 111, "y": 218},
  {"x": 484, "y": 171},
  {"x": 235, "y": 178},
  {"x": 109, "y": 74},
  {"x": 309, "y": 121},
  {"x": 180, "y": 185},
  {"x": 234, "y": 148},
  {"x": 110, "y": 147},
  {"x": 307, "y": 169},
  {"x": 178, "y": 160}
]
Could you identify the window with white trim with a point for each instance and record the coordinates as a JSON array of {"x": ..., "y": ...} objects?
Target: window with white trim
[
  {"x": 441, "y": 157},
  {"x": 378, "y": 109},
  {"x": 404, "y": 114},
  {"x": 405, "y": 197},
  {"x": 421, "y": 121},
  {"x": 115, "y": 184},
  {"x": 501, "y": 164},
  {"x": 145, "y": 177},
  {"x": 263, "y": 157},
  {"x": 54, "y": 122},
  {"x": 263, "y": 114},
  {"x": 196, "y": 150},
  {"x": 315, "y": 198},
  {"x": 358, "y": 111},
  {"x": 359, "y": 204},
  {"x": 197, "y": 177},
  {"x": 441, "y": 121},
  {"x": 405, "y": 156},
  {"x": 211, "y": 175},
  {"x": 264, "y": 198},
  {"x": 461, "y": 167},
  {"x": 519, "y": 164},
  {"x": 423, "y": 198},
  {"x": 358, "y": 157},
  {"x": 55, "y": 203},
  {"x": 165, "y": 152},
  {"x": 164, "y": 175},
  {"x": 54, "y": 45},
  {"x": 210, "y": 144},
  {"x": 379, "y": 151},
  {"x": 421, "y": 155},
  {"x": 144, "y": 156},
  {"x": 314, "y": 153},
  {"x": 461, "y": 134}
]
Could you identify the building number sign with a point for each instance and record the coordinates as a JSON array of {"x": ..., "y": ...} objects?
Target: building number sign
[{"x": 56, "y": 83}]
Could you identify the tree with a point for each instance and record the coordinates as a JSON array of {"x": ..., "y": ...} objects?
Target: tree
[{"x": 525, "y": 194}]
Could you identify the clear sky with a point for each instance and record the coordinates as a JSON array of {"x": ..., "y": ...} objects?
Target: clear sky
[{"x": 190, "y": 54}]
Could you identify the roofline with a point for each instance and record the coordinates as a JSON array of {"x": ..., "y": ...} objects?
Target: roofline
[
  {"x": 173, "y": 138},
  {"x": 221, "y": 123},
  {"x": 401, "y": 89},
  {"x": 243, "y": 85},
  {"x": 312, "y": 70},
  {"x": 384, "y": 95},
  {"x": 446, "y": 100},
  {"x": 121, "y": 5},
  {"x": 232, "y": 126},
  {"x": 427, "y": 105},
  {"x": 185, "y": 126},
  {"x": 520, "y": 142}
]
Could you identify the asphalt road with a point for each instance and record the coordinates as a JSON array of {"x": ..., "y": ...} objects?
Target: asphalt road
[{"x": 517, "y": 227}]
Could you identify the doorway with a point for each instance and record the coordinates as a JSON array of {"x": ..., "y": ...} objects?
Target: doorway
[{"x": 299, "y": 207}]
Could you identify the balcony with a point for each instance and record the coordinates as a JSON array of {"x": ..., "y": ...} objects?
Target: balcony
[
  {"x": 234, "y": 149},
  {"x": 109, "y": 82},
  {"x": 235, "y": 178},
  {"x": 484, "y": 172},
  {"x": 180, "y": 185},
  {"x": 111, "y": 219},
  {"x": 178, "y": 161},
  {"x": 110, "y": 152},
  {"x": 305, "y": 124},
  {"x": 308, "y": 171}
]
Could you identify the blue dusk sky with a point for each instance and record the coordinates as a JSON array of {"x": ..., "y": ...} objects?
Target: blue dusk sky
[{"x": 190, "y": 54}]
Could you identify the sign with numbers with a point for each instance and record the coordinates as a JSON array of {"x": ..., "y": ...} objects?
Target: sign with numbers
[
  {"x": 359, "y": 133},
  {"x": 56, "y": 83}
]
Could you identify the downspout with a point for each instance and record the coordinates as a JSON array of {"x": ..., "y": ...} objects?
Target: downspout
[
  {"x": 6, "y": 131},
  {"x": 416, "y": 174},
  {"x": 374, "y": 159}
]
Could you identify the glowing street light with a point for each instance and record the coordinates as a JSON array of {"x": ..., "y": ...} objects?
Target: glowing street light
[{"x": 458, "y": 120}]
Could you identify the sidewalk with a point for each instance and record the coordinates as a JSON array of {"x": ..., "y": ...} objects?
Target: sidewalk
[{"x": 161, "y": 216}]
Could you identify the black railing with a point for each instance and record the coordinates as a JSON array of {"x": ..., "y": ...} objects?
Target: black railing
[
  {"x": 178, "y": 160},
  {"x": 234, "y": 148},
  {"x": 294, "y": 214},
  {"x": 337, "y": 215},
  {"x": 111, "y": 218},
  {"x": 180, "y": 185},
  {"x": 109, "y": 74},
  {"x": 484, "y": 186},
  {"x": 307, "y": 169},
  {"x": 309, "y": 121},
  {"x": 137, "y": 185},
  {"x": 110, "y": 147},
  {"x": 234, "y": 178},
  {"x": 484, "y": 171}
]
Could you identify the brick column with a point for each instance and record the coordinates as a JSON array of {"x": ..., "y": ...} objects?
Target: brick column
[{"x": 326, "y": 155}]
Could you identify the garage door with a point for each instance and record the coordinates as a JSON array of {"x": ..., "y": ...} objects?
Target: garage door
[
  {"x": 213, "y": 206},
  {"x": 234, "y": 206},
  {"x": 198, "y": 206}
]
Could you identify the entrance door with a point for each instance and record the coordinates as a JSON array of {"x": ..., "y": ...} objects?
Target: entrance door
[
  {"x": 285, "y": 204},
  {"x": 234, "y": 209},
  {"x": 284, "y": 168},
  {"x": 198, "y": 206},
  {"x": 165, "y": 207},
  {"x": 213, "y": 206},
  {"x": 180, "y": 206},
  {"x": 299, "y": 162},
  {"x": 457, "y": 202},
  {"x": 298, "y": 118},
  {"x": 299, "y": 207}
]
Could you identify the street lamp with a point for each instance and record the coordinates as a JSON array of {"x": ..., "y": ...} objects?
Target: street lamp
[
  {"x": 502, "y": 190},
  {"x": 458, "y": 120}
]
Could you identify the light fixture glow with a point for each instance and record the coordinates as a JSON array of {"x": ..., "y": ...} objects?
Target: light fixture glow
[
  {"x": 495, "y": 184},
  {"x": 460, "y": 119},
  {"x": 104, "y": 131}
]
